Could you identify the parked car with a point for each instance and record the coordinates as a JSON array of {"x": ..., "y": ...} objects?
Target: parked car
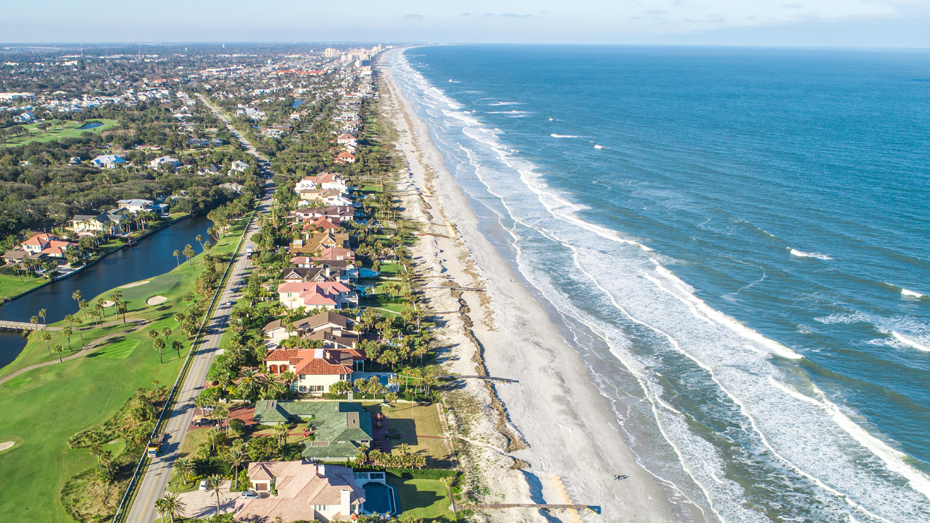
[
  {"x": 204, "y": 422},
  {"x": 203, "y": 484},
  {"x": 248, "y": 494}
]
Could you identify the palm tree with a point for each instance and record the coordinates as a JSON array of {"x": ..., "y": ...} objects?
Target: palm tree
[
  {"x": 42, "y": 314},
  {"x": 188, "y": 252},
  {"x": 170, "y": 506},
  {"x": 47, "y": 337},
  {"x": 58, "y": 349},
  {"x": 215, "y": 485},
  {"x": 249, "y": 384},
  {"x": 177, "y": 345},
  {"x": 177, "y": 257},
  {"x": 184, "y": 467},
  {"x": 280, "y": 431},
  {"x": 239, "y": 457},
  {"x": 159, "y": 345},
  {"x": 67, "y": 332},
  {"x": 34, "y": 320},
  {"x": 76, "y": 296},
  {"x": 199, "y": 239}
]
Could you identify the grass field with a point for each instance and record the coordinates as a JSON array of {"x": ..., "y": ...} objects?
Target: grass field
[
  {"x": 14, "y": 285},
  {"x": 418, "y": 427},
  {"x": 425, "y": 499},
  {"x": 44, "y": 407},
  {"x": 54, "y": 132}
]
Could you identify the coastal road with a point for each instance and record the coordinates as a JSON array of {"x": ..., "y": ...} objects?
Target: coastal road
[
  {"x": 155, "y": 481},
  {"x": 159, "y": 471}
]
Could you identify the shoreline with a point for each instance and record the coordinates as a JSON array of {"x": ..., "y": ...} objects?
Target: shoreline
[{"x": 554, "y": 424}]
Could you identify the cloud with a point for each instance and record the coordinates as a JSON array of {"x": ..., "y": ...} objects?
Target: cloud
[
  {"x": 656, "y": 12},
  {"x": 790, "y": 6},
  {"x": 414, "y": 17},
  {"x": 514, "y": 15}
]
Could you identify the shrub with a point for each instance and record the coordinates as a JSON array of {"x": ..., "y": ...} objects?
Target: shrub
[{"x": 237, "y": 426}]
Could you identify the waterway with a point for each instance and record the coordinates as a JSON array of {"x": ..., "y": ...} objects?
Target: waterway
[{"x": 150, "y": 257}]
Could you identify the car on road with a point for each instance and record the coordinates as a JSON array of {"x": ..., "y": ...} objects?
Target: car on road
[
  {"x": 229, "y": 304},
  {"x": 249, "y": 494},
  {"x": 204, "y": 422},
  {"x": 203, "y": 485}
]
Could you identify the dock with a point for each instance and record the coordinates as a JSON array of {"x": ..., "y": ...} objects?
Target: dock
[{"x": 25, "y": 326}]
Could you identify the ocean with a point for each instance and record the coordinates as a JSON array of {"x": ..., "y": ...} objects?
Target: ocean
[{"x": 737, "y": 243}]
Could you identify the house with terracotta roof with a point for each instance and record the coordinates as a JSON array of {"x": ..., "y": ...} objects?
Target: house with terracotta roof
[
  {"x": 316, "y": 242},
  {"x": 47, "y": 245},
  {"x": 312, "y": 295},
  {"x": 334, "y": 213},
  {"x": 300, "y": 491},
  {"x": 344, "y": 157},
  {"x": 317, "y": 369}
]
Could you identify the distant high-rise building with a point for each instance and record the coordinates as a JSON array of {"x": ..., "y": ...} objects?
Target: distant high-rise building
[{"x": 330, "y": 52}]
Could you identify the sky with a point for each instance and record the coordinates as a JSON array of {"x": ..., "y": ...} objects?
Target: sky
[{"x": 807, "y": 23}]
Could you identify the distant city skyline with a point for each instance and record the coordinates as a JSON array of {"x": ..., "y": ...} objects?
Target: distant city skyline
[{"x": 811, "y": 23}]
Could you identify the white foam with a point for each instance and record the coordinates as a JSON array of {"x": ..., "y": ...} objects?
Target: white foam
[
  {"x": 563, "y": 136},
  {"x": 909, "y": 342},
  {"x": 596, "y": 146},
  {"x": 817, "y": 255},
  {"x": 911, "y": 294},
  {"x": 625, "y": 290}
]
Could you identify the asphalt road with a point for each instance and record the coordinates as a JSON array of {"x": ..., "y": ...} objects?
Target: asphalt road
[{"x": 156, "y": 477}]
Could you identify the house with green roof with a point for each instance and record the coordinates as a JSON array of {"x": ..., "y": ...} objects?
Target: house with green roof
[{"x": 340, "y": 428}]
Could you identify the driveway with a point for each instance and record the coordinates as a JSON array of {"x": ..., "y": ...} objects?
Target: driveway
[{"x": 201, "y": 503}]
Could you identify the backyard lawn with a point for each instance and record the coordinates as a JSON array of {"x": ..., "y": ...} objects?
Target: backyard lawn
[
  {"x": 419, "y": 427},
  {"x": 44, "y": 407},
  {"x": 14, "y": 285},
  {"x": 425, "y": 499}
]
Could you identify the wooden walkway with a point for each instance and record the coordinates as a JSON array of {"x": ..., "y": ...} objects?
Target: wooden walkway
[
  {"x": 542, "y": 506},
  {"x": 476, "y": 377}
]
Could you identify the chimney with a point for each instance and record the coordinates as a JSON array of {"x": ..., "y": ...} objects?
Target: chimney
[
  {"x": 321, "y": 469},
  {"x": 346, "y": 505},
  {"x": 318, "y": 353},
  {"x": 327, "y": 270}
]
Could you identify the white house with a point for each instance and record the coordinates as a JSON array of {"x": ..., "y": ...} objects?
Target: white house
[
  {"x": 107, "y": 161},
  {"x": 173, "y": 162}
]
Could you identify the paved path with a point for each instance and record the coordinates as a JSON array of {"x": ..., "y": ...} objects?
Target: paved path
[
  {"x": 156, "y": 478},
  {"x": 83, "y": 352}
]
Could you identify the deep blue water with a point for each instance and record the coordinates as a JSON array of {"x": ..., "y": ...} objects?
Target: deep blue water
[
  {"x": 91, "y": 125},
  {"x": 738, "y": 242}
]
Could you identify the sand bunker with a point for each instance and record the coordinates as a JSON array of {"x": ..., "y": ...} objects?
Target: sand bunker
[
  {"x": 6, "y": 444},
  {"x": 108, "y": 303},
  {"x": 155, "y": 300},
  {"x": 131, "y": 285}
]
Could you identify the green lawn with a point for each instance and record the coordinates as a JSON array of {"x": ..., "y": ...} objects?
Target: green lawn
[
  {"x": 13, "y": 285},
  {"x": 412, "y": 422},
  {"x": 54, "y": 132},
  {"x": 425, "y": 499},
  {"x": 44, "y": 407}
]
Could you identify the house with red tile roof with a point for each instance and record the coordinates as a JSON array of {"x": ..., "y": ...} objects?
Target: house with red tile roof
[
  {"x": 344, "y": 157},
  {"x": 47, "y": 245},
  {"x": 316, "y": 369}
]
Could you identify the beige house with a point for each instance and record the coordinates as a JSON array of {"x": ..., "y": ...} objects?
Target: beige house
[
  {"x": 299, "y": 490},
  {"x": 317, "y": 369}
]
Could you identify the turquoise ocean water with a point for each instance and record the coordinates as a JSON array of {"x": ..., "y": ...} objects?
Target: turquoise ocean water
[{"x": 738, "y": 244}]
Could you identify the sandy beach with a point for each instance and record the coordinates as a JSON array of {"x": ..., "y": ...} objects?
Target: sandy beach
[{"x": 551, "y": 437}]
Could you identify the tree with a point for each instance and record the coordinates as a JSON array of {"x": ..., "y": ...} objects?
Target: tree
[
  {"x": 170, "y": 505},
  {"x": 238, "y": 457},
  {"x": 184, "y": 467},
  {"x": 67, "y": 332},
  {"x": 199, "y": 239},
  {"x": 76, "y": 296},
  {"x": 188, "y": 252},
  {"x": 177, "y": 345},
  {"x": 58, "y": 349},
  {"x": 207, "y": 246},
  {"x": 42, "y": 314},
  {"x": 34, "y": 320},
  {"x": 177, "y": 257},
  {"x": 215, "y": 485},
  {"x": 159, "y": 345},
  {"x": 47, "y": 337}
]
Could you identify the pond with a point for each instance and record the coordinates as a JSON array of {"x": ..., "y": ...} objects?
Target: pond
[
  {"x": 296, "y": 104},
  {"x": 89, "y": 125},
  {"x": 151, "y": 257}
]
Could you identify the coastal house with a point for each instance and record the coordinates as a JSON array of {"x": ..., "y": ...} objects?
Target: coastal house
[
  {"x": 237, "y": 166},
  {"x": 339, "y": 428},
  {"x": 344, "y": 157},
  {"x": 312, "y": 295},
  {"x": 317, "y": 242},
  {"x": 300, "y": 491},
  {"x": 107, "y": 161},
  {"x": 321, "y": 223},
  {"x": 136, "y": 206},
  {"x": 334, "y": 213},
  {"x": 316, "y": 369},
  {"x": 336, "y": 324},
  {"x": 307, "y": 274},
  {"x": 346, "y": 138}
]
